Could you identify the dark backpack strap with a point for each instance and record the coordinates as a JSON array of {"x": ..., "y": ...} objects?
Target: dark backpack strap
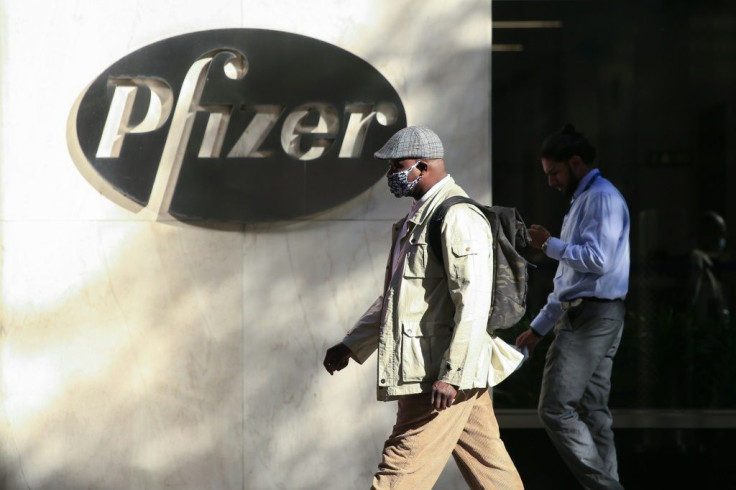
[{"x": 434, "y": 233}]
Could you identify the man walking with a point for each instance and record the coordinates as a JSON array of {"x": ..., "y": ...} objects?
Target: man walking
[
  {"x": 429, "y": 327},
  {"x": 586, "y": 309}
]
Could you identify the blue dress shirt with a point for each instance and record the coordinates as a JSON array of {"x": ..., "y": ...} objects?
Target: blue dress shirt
[{"x": 593, "y": 249}]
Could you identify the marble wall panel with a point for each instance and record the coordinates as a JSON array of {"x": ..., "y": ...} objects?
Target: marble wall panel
[
  {"x": 156, "y": 354},
  {"x": 121, "y": 356}
]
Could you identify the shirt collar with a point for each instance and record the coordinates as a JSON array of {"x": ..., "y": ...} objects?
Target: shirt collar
[
  {"x": 584, "y": 183},
  {"x": 431, "y": 192}
]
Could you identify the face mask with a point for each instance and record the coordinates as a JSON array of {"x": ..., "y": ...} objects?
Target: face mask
[{"x": 398, "y": 183}]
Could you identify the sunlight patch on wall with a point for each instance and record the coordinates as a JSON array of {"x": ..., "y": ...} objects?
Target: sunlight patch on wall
[
  {"x": 46, "y": 265},
  {"x": 34, "y": 378},
  {"x": 29, "y": 383}
]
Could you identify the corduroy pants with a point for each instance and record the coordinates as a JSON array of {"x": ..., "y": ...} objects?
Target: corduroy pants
[{"x": 423, "y": 439}]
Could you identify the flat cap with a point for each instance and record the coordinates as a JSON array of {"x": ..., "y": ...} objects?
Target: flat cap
[{"x": 412, "y": 142}]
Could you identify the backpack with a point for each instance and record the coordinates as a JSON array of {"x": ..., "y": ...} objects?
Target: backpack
[{"x": 510, "y": 275}]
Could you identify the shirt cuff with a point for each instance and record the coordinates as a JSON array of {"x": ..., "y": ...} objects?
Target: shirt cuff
[
  {"x": 555, "y": 248},
  {"x": 451, "y": 376},
  {"x": 542, "y": 324},
  {"x": 360, "y": 348}
]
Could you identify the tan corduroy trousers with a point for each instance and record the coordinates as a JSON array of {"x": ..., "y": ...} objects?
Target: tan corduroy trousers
[{"x": 423, "y": 439}]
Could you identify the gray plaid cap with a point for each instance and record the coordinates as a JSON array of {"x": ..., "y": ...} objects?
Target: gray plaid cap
[{"x": 412, "y": 142}]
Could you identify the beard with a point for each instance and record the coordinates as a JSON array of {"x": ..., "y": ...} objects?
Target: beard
[{"x": 572, "y": 183}]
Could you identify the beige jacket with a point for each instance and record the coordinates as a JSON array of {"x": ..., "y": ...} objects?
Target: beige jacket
[{"x": 430, "y": 324}]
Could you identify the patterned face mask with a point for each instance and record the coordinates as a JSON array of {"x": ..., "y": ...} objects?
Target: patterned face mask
[{"x": 398, "y": 183}]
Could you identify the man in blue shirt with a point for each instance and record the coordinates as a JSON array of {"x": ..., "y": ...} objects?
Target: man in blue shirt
[{"x": 586, "y": 310}]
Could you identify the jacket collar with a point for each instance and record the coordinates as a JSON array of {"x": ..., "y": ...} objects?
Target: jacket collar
[{"x": 446, "y": 187}]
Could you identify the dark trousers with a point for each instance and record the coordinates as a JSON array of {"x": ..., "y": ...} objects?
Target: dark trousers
[{"x": 576, "y": 384}]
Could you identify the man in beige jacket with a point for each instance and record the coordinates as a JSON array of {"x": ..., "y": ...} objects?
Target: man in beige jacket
[{"x": 429, "y": 327}]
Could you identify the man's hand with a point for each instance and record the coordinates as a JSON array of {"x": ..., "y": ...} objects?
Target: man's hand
[
  {"x": 337, "y": 357},
  {"x": 539, "y": 235},
  {"x": 443, "y": 395},
  {"x": 528, "y": 339}
]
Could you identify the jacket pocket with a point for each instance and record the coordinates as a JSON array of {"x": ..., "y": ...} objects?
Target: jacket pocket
[
  {"x": 464, "y": 248},
  {"x": 420, "y": 261},
  {"x": 422, "y": 349},
  {"x": 464, "y": 260}
]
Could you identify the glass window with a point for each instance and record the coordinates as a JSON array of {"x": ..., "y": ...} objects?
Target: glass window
[{"x": 651, "y": 83}]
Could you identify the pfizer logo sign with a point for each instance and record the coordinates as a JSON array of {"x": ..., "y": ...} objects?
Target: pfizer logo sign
[{"x": 235, "y": 125}]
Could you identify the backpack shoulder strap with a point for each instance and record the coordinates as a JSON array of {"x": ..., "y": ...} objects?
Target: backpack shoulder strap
[{"x": 434, "y": 232}]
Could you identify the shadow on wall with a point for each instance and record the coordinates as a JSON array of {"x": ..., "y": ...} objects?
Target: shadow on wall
[
  {"x": 312, "y": 430},
  {"x": 133, "y": 376},
  {"x": 159, "y": 369}
]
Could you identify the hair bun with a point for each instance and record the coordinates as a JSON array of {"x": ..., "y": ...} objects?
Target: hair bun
[{"x": 568, "y": 129}]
